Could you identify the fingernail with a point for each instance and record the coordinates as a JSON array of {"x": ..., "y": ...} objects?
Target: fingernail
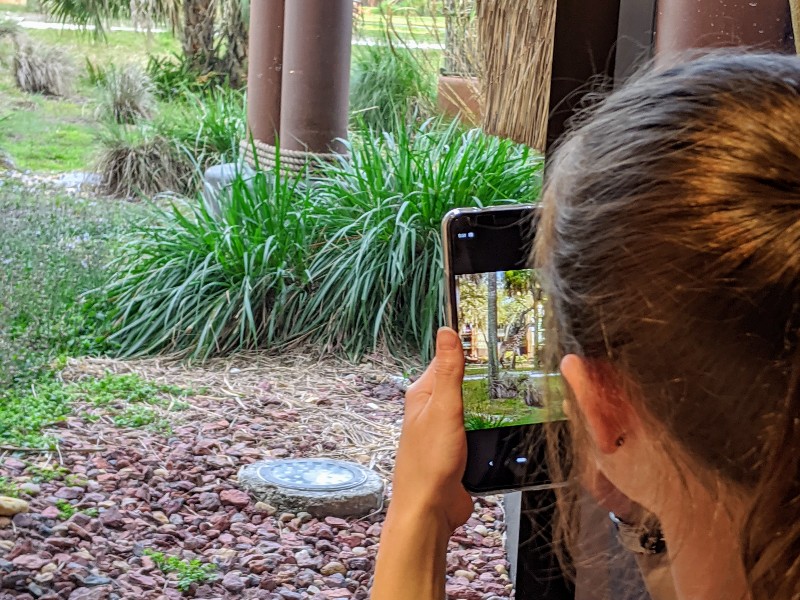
[{"x": 446, "y": 339}]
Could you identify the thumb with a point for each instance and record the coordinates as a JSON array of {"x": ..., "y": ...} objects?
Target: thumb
[{"x": 448, "y": 369}]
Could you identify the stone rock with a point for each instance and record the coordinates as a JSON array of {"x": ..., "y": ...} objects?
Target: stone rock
[
  {"x": 95, "y": 580},
  {"x": 84, "y": 593},
  {"x": 333, "y": 567},
  {"x": 236, "y": 498},
  {"x": 357, "y": 501},
  {"x": 12, "y": 506},
  {"x": 217, "y": 180},
  {"x": 112, "y": 518},
  {"x": 265, "y": 508},
  {"x": 69, "y": 493},
  {"x": 233, "y": 581},
  {"x": 51, "y": 512},
  {"x": 32, "y": 562},
  {"x": 208, "y": 501}
]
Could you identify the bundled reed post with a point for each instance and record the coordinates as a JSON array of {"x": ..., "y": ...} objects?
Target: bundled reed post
[
  {"x": 517, "y": 38},
  {"x": 795, "y": 5}
]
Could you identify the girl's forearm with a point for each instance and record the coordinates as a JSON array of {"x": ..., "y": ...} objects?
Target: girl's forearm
[{"x": 411, "y": 561}]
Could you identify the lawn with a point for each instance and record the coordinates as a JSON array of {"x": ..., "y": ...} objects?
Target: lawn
[
  {"x": 46, "y": 134},
  {"x": 481, "y": 412}
]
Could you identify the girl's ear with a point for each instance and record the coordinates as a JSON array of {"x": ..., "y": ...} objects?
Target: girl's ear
[{"x": 608, "y": 416}]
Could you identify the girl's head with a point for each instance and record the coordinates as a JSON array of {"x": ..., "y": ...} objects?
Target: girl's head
[{"x": 670, "y": 247}]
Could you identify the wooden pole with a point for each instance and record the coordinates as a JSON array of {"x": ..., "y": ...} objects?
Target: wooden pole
[
  {"x": 685, "y": 24},
  {"x": 316, "y": 75},
  {"x": 265, "y": 69}
]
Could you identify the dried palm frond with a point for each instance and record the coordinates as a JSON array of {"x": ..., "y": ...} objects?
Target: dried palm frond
[{"x": 517, "y": 39}]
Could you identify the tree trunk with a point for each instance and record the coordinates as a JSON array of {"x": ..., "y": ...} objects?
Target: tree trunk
[
  {"x": 234, "y": 61},
  {"x": 198, "y": 34},
  {"x": 491, "y": 334}
]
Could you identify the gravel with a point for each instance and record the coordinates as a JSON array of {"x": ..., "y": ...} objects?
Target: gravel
[{"x": 136, "y": 492}]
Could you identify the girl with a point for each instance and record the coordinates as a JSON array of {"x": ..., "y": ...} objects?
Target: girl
[{"x": 670, "y": 249}]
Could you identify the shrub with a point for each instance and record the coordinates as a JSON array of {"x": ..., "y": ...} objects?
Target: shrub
[
  {"x": 377, "y": 279},
  {"x": 127, "y": 94},
  {"x": 95, "y": 74},
  {"x": 141, "y": 160},
  {"x": 172, "y": 76},
  {"x": 388, "y": 83},
  {"x": 205, "y": 282},
  {"x": 40, "y": 69},
  {"x": 212, "y": 126}
]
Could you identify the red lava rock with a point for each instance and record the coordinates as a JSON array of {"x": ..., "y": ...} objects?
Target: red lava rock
[
  {"x": 51, "y": 512},
  {"x": 236, "y": 498},
  {"x": 112, "y": 517},
  {"x": 337, "y": 522},
  {"x": 31, "y": 562}
]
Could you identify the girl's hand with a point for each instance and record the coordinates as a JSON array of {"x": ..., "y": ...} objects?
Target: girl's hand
[{"x": 433, "y": 445}]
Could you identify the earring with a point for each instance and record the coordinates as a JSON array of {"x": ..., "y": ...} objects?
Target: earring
[{"x": 620, "y": 441}]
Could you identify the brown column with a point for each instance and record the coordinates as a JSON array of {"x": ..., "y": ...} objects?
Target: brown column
[
  {"x": 316, "y": 74},
  {"x": 264, "y": 70},
  {"x": 685, "y": 24}
]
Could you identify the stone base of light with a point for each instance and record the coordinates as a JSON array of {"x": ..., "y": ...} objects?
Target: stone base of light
[{"x": 358, "y": 497}]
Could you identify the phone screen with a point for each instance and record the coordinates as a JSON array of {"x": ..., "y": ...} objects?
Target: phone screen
[
  {"x": 497, "y": 305},
  {"x": 500, "y": 319}
]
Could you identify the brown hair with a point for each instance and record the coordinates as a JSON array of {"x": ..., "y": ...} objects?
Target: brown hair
[{"x": 669, "y": 247}]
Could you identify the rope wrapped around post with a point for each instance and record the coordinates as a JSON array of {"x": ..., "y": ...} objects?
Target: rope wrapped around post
[{"x": 263, "y": 156}]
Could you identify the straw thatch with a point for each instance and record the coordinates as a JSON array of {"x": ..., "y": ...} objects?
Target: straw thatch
[
  {"x": 517, "y": 39},
  {"x": 795, "y": 4}
]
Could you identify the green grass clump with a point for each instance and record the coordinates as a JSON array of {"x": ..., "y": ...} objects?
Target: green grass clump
[
  {"x": 126, "y": 93},
  {"x": 188, "y": 571},
  {"x": 377, "y": 278},
  {"x": 40, "y": 69},
  {"x": 357, "y": 268},
  {"x": 46, "y": 474},
  {"x": 390, "y": 83},
  {"x": 140, "y": 160},
  {"x": 209, "y": 280}
]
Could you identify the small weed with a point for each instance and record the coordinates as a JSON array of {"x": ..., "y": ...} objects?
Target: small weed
[
  {"x": 75, "y": 480},
  {"x": 9, "y": 488},
  {"x": 65, "y": 509},
  {"x": 46, "y": 474},
  {"x": 188, "y": 571},
  {"x": 139, "y": 416},
  {"x": 91, "y": 512}
]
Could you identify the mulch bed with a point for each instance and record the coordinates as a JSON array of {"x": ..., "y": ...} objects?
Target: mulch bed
[{"x": 176, "y": 493}]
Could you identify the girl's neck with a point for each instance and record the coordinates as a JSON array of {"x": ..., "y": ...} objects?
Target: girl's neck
[{"x": 705, "y": 549}]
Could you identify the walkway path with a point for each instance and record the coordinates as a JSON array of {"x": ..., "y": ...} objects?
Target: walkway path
[{"x": 28, "y": 24}]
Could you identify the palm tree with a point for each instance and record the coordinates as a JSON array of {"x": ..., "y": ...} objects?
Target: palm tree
[
  {"x": 213, "y": 34},
  {"x": 491, "y": 334}
]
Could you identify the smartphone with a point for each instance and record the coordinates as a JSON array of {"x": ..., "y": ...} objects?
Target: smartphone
[{"x": 496, "y": 304}]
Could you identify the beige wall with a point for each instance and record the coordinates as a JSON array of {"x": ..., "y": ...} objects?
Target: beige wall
[{"x": 16, "y": 2}]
